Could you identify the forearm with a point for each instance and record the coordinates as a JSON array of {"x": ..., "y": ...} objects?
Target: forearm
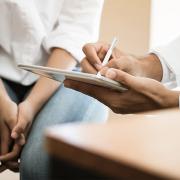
[
  {"x": 172, "y": 98},
  {"x": 152, "y": 67},
  {"x": 45, "y": 88}
]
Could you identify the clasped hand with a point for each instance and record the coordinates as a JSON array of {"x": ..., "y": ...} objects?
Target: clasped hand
[{"x": 15, "y": 121}]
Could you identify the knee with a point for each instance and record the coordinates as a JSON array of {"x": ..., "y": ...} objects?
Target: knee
[
  {"x": 26, "y": 165},
  {"x": 33, "y": 163}
]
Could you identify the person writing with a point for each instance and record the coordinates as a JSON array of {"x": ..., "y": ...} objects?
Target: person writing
[{"x": 145, "y": 77}]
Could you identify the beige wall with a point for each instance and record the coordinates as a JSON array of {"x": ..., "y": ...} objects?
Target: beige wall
[{"x": 129, "y": 20}]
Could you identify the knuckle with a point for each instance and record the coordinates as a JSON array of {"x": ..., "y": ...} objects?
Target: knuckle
[
  {"x": 86, "y": 47},
  {"x": 83, "y": 62},
  {"x": 20, "y": 129},
  {"x": 84, "y": 66},
  {"x": 104, "y": 48}
]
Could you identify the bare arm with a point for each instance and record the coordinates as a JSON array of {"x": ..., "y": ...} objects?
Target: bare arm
[
  {"x": 143, "y": 94},
  {"x": 41, "y": 92},
  {"x": 44, "y": 88}
]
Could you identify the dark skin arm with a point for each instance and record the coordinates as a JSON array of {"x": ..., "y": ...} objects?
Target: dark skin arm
[
  {"x": 143, "y": 94},
  {"x": 140, "y": 75}
]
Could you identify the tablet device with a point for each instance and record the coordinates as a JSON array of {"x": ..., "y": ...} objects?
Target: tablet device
[{"x": 61, "y": 75}]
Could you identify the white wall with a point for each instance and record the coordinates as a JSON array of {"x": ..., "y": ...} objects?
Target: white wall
[{"x": 165, "y": 21}]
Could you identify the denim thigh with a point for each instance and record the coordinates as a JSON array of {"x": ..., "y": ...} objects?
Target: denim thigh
[{"x": 65, "y": 106}]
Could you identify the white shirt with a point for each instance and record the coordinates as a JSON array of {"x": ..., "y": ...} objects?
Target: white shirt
[
  {"x": 31, "y": 28},
  {"x": 169, "y": 56}
]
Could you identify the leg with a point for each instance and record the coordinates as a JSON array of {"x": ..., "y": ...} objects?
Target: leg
[{"x": 64, "y": 107}]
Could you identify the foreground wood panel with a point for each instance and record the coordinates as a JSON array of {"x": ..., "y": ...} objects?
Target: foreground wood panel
[{"x": 142, "y": 146}]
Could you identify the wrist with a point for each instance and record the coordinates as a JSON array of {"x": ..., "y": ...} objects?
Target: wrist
[
  {"x": 29, "y": 105},
  {"x": 152, "y": 67},
  {"x": 35, "y": 103},
  {"x": 172, "y": 99}
]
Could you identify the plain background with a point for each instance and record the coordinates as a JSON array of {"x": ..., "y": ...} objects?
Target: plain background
[{"x": 129, "y": 20}]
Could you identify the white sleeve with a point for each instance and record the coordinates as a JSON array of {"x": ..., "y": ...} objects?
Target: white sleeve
[
  {"x": 178, "y": 89},
  {"x": 78, "y": 24},
  {"x": 169, "y": 54},
  {"x": 168, "y": 75}
]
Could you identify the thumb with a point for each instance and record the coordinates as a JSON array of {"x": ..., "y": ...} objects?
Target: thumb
[
  {"x": 119, "y": 76},
  {"x": 19, "y": 129},
  {"x": 135, "y": 83}
]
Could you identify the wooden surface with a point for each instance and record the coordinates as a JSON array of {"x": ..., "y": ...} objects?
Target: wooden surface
[{"x": 135, "y": 146}]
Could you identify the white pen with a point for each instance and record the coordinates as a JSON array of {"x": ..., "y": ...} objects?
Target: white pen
[{"x": 109, "y": 53}]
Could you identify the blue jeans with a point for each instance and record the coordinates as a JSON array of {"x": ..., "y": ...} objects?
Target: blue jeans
[{"x": 65, "y": 106}]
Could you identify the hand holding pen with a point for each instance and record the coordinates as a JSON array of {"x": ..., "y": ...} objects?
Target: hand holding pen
[
  {"x": 108, "y": 54},
  {"x": 95, "y": 55}
]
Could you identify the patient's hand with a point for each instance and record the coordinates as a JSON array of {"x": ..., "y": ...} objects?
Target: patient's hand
[
  {"x": 144, "y": 94},
  {"x": 8, "y": 120},
  {"x": 16, "y": 134},
  {"x": 24, "y": 121},
  {"x": 147, "y": 66}
]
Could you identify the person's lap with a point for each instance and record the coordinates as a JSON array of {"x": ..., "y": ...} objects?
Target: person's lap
[{"x": 65, "y": 106}]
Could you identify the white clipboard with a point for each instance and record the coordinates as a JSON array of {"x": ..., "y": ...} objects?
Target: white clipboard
[{"x": 60, "y": 75}]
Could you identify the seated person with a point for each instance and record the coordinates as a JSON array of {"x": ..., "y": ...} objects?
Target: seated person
[
  {"x": 41, "y": 33},
  {"x": 145, "y": 77}
]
